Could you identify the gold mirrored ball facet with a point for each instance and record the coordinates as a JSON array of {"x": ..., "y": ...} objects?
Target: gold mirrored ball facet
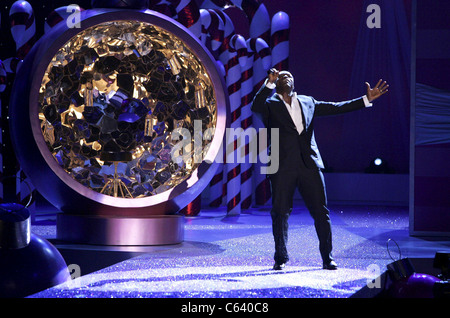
[{"x": 123, "y": 87}]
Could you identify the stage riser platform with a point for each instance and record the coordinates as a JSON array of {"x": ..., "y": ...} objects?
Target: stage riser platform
[{"x": 120, "y": 231}]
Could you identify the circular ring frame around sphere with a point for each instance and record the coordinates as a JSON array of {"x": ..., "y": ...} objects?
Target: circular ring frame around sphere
[{"x": 50, "y": 179}]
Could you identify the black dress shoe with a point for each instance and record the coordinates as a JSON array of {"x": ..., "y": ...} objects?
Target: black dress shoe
[
  {"x": 279, "y": 267},
  {"x": 331, "y": 265}
]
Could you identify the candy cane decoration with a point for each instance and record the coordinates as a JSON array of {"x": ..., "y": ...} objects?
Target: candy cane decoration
[
  {"x": 256, "y": 13},
  {"x": 233, "y": 81},
  {"x": 247, "y": 125},
  {"x": 188, "y": 14},
  {"x": 280, "y": 41},
  {"x": 219, "y": 188},
  {"x": 213, "y": 28},
  {"x": 260, "y": 35},
  {"x": 23, "y": 27},
  {"x": 231, "y": 55},
  {"x": 238, "y": 44},
  {"x": 258, "y": 16},
  {"x": 193, "y": 208},
  {"x": 262, "y": 63},
  {"x": 228, "y": 31}
]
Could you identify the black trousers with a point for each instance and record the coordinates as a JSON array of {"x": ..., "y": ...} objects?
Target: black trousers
[{"x": 311, "y": 185}]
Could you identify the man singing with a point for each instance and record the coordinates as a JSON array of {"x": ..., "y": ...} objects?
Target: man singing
[{"x": 300, "y": 163}]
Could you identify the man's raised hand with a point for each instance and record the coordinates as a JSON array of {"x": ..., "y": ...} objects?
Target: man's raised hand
[
  {"x": 380, "y": 89},
  {"x": 273, "y": 75}
]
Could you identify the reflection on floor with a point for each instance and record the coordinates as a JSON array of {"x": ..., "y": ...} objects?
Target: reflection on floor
[{"x": 232, "y": 257}]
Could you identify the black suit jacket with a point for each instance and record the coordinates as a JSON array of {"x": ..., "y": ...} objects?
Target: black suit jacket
[{"x": 292, "y": 146}]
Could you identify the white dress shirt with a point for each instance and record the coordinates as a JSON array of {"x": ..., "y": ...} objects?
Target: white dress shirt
[{"x": 294, "y": 111}]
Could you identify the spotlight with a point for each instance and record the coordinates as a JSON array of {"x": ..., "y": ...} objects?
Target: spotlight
[
  {"x": 378, "y": 165},
  {"x": 403, "y": 281},
  {"x": 378, "y": 162},
  {"x": 406, "y": 283}
]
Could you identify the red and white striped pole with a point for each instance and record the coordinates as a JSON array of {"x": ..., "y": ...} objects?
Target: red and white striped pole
[
  {"x": 188, "y": 14},
  {"x": 259, "y": 20},
  {"x": 262, "y": 63},
  {"x": 233, "y": 81},
  {"x": 23, "y": 27},
  {"x": 256, "y": 13},
  {"x": 233, "y": 56},
  {"x": 280, "y": 41},
  {"x": 213, "y": 28},
  {"x": 260, "y": 31},
  {"x": 246, "y": 122},
  {"x": 247, "y": 126},
  {"x": 228, "y": 32},
  {"x": 258, "y": 16}
]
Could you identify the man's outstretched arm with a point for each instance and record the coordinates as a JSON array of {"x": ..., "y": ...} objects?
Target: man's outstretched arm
[{"x": 329, "y": 108}]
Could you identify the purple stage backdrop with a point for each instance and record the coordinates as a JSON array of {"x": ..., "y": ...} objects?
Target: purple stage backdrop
[
  {"x": 332, "y": 53},
  {"x": 430, "y": 145}
]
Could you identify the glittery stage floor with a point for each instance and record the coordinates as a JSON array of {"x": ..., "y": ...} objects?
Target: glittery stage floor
[{"x": 231, "y": 257}]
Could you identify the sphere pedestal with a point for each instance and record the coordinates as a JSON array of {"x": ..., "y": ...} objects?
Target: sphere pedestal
[{"x": 121, "y": 231}]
